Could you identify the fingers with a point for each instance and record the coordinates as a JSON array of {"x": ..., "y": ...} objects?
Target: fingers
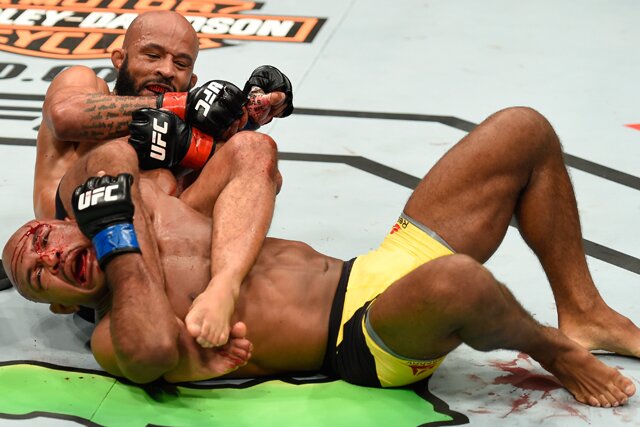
[
  {"x": 276, "y": 99},
  {"x": 263, "y": 108}
]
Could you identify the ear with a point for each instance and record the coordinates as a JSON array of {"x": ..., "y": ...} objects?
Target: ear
[
  {"x": 117, "y": 57},
  {"x": 63, "y": 309},
  {"x": 194, "y": 80}
]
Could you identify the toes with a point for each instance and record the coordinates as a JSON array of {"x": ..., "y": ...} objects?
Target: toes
[
  {"x": 591, "y": 400},
  {"x": 606, "y": 400},
  {"x": 619, "y": 397},
  {"x": 239, "y": 330},
  {"x": 222, "y": 339}
]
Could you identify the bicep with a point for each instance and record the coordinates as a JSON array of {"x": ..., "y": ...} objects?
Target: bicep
[{"x": 77, "y": 81}]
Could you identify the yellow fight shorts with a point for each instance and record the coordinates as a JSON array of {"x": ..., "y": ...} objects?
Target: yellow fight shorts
[{"x": 355, "y": 353}]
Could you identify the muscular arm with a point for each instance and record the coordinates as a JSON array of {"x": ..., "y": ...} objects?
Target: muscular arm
[
  {"x": 194, "y": 362},
  {"x": 142, "y": 338},
  {"x": 78, "y": 107}
]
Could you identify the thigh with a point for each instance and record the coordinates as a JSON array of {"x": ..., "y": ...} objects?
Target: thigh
[
  {"x": 419, "y": 315},
  {"x": 470, "y": 195},
  {"x": 242, "y": 157}
]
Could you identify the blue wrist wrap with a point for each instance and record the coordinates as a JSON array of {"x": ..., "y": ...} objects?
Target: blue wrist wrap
[{"x": 115, "y": 240}]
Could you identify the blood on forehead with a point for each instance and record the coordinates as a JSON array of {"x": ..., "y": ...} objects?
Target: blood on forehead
[{"x": 21, "y": 246}]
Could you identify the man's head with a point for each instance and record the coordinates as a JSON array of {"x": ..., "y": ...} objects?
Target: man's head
[
  {"x": 52, "y": 261},
  {"x": 157, "y": 55}
]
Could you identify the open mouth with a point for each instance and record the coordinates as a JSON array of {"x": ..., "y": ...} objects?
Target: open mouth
[
  {"x": 79, "y": 268},
  {"x": 157, "y": 89}
]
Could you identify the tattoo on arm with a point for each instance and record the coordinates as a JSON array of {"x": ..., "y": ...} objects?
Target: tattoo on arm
[{"x": 109, "y": 116}]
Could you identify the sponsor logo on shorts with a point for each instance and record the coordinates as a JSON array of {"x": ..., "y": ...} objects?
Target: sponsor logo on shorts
[
  {"x": 89, "y": 29},
  {"x": 396, "y": 227},
  {"x": 402, "y": 223},
  {"x": 419, "y": 368}
]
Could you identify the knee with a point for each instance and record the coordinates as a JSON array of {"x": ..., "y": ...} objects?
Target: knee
[
  {"x": 525, "y": 116},
  {"x": 112, "y": 158},
  {"x": 530, "y": 125},
  {"x": 255, "y": 151},
  {"x": 463, "y": 281}
]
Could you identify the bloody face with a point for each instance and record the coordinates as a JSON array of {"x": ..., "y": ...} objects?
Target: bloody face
[{"x": 52, "y": 261}]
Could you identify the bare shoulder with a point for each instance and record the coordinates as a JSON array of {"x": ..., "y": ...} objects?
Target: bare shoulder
[{"x": 77, "y": 79}]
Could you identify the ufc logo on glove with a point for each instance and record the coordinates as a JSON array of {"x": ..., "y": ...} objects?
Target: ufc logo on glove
[
  {"x": 158, "y": 145},
  {"x": 211, "y": 91},
  {"x": 92, "y": 197}
]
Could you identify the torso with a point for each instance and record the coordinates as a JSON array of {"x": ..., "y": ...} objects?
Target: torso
[{"x": 285, "y": 301}]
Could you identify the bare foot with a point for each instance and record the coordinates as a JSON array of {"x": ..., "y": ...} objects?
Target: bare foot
[
  {"x": 587, "y": 378},
  {"x": 602, "y": 329},
  {"x": 209, "y": 316},
  {"x": 233, "y": 355}
]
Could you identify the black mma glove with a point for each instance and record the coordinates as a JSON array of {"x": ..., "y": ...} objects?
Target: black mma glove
[
  {"x": 212, "y": 107},
  {"x": 270, "y": 79},
  {"x": 162, "y": 140},
  {"x": 104, "y": 213}
]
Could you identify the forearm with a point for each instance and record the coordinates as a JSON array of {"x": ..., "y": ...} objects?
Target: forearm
[
  {"x": 93, "y": 116},
  {"x": 144, "y": 330}
]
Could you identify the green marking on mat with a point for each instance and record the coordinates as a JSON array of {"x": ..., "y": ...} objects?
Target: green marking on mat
[{"x": 100, "y": 399}]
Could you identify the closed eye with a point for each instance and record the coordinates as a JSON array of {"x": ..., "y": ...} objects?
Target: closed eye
[
  {"x": 39, "y": 276},
  {"x": 45, "y": 238}
]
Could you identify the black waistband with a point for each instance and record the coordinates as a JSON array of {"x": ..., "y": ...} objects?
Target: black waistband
[{"x": 335, "y": 317}]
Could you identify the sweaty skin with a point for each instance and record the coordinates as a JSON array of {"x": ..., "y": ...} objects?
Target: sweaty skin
[
  {"x": 510, "y": 164},
  {"x": 80, "y": 112},
  {"x": 289, "y": 276}
]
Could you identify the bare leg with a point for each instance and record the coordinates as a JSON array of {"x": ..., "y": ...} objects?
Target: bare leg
[
  {"x": 237, "y": 189},
  {"x": 424, "y": 315},
  {"x": 512, "y": 164}
]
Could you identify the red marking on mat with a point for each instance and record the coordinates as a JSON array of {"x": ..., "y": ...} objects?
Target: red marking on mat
[
  {"x": 520, "y": 403},
  {"x": 634, "y": 126},
  {"x": 525, "y": 380},
  {"x": 571, "y": 410},
  {"x": 522, "y": 378}
]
